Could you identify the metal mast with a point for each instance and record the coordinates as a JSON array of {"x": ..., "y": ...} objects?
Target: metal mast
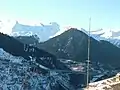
[{"x": 88, "y": 61}]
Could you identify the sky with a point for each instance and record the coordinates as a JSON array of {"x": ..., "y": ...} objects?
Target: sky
[{"x": 75, "y": 13}]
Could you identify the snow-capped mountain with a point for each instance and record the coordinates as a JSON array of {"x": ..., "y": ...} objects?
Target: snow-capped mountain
[
  {"x": 6, "y": 26},
  {"x": 44, "y": 32},
  {"x": 110, "y": 35},
  {"x": 21, "y": 28}
]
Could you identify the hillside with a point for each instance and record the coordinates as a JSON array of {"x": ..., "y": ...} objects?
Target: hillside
[
  {"x": 72, "y": 44},
  {"x": 28, "y": 68}
]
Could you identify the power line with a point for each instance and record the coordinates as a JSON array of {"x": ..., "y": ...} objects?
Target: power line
[{"x": 88, "y": 61}]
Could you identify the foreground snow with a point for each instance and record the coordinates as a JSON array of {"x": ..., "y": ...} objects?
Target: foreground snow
[{"x": 106, "y": 84}]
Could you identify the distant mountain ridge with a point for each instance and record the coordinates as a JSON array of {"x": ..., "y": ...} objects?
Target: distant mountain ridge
[{"x": 45, "y": 32}]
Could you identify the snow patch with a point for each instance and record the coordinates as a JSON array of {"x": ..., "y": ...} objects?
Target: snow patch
[{"x": 14, "y": 59}]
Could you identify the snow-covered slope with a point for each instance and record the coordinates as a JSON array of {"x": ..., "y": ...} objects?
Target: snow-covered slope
[
  {"x": 16, "y": 74},
  {"x": 44, "y": 32},
  {"x": 5, "y": 55}
]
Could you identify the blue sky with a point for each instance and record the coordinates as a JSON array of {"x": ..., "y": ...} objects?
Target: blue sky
[{"x": 104, "y": 13}]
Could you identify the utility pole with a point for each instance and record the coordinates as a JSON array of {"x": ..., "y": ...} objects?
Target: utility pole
[{"x": 88, "y": 61}]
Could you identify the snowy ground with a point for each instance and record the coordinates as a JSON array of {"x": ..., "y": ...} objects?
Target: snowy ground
[
  {"x": 16, "y": 74},
  {"x": 106, "y": 84}
]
